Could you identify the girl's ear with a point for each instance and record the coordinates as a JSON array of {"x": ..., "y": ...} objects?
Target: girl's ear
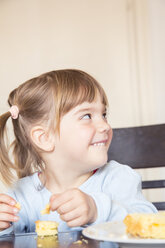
[{"x": 42, "y": 138}]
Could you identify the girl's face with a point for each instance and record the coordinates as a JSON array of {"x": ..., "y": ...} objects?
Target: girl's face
[{"x": 84, "y": 137}]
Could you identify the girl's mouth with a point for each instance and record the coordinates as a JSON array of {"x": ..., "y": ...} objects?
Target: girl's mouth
[{"x": 100, "y": 143}]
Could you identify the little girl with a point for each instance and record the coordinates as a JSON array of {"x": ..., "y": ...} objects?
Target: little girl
[{"x": 60, "y": 157}]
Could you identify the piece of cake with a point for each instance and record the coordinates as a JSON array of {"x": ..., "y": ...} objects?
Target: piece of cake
[
  {"x": 46, "y": 210},
  {"x": 18, "y": 205},
  {"x": 46, "y": 228},
  {"x": 146, "y": 225}
]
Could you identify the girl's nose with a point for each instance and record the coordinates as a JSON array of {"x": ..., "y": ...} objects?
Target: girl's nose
[{"x": 103, "y": 126}]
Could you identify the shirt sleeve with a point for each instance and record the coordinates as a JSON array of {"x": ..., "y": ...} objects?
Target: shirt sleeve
[
  {"x": 7, "y": 231},
  {"x": 121, "y": 194}
]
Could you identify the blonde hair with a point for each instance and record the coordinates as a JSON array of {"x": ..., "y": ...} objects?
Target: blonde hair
[{"x": 45, "y": 98}]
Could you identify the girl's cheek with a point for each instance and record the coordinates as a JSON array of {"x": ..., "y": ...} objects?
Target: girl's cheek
[{"x": 110, "y": 135}]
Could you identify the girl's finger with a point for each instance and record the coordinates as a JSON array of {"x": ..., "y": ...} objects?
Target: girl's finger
[
  {"x": 4, "y": 208},
  {"x": 66, "y": 207},
  {"x": 80, "y": 221},
  {"x": 8, "y": 217},
  {"x": 57, "y": 200},
  {"x": 69, "y": 216},
  {"x": 7, "y": 199},
  {"x": 4, "y": 224}
]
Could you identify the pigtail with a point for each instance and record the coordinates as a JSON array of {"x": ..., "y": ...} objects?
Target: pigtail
[
  {"x": 25, "y": 156},
  {"x": 6, "y": 166},
  {"x": 22, "y": 160}
]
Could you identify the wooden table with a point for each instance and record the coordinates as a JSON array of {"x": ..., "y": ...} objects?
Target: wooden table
[
  {"x": 73, "y": 239},
  {"x": 64, "y": 240}
]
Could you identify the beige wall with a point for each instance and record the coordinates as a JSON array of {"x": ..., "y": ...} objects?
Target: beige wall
[
  {"x": 156, "y": 10},
  {"x": 120, "y": 42},
  {"x": 96, "y": 36}
]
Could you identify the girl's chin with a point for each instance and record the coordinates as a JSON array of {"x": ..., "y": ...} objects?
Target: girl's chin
[{"x": 101, "y": 163}]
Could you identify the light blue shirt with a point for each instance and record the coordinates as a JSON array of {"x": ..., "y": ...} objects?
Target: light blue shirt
[{"x": 116, "y": 189}]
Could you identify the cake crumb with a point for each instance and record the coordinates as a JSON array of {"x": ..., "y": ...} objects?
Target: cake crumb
[
  {"x": 46, "y": 210},
  {"x": 78, "y": 242},
  {"x": 85, "y": 241},
  {"x": 18, "y": 205}
]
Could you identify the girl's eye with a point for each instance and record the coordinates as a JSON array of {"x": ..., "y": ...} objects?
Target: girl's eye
[
  {"x": 105, "y": 115},
  {"x": 86, "y": 117}
]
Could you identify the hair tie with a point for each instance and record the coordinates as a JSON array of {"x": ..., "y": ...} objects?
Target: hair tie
[{"x": 14, "y": 112}]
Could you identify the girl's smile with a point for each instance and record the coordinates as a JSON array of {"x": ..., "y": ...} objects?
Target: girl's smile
[{"x": 100, "y": 143}]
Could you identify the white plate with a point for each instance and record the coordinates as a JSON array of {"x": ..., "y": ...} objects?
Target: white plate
[{"x": 115, "y": 232}]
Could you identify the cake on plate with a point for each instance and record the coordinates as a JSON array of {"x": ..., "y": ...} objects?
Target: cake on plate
[{"x": 146, "y": 225}]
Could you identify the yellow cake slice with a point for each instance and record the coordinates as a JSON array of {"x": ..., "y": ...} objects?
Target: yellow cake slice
[
  {"x": 46, "y": 228},
  {"x": 146, "y": 225}
]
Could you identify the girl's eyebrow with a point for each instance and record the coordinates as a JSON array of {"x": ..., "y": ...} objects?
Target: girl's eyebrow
[
  {"x": 83, "y": 110},
  {"x": 88, "y": 110}
]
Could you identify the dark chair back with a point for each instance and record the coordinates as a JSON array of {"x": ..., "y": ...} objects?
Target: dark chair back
[{"x": 141, "y": 147}]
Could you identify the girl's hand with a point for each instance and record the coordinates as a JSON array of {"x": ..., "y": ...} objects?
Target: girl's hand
[
  {"x": 74, "y": 207},
  {"x": 8, "y": 211}
]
